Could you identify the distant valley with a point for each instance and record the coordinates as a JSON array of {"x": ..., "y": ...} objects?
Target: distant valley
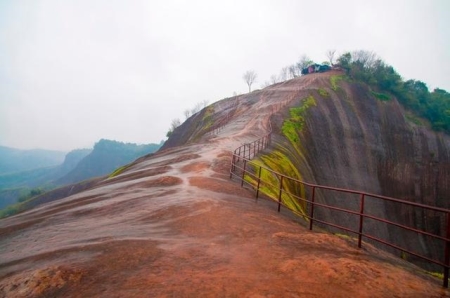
[{"x": 24, "y": 173}]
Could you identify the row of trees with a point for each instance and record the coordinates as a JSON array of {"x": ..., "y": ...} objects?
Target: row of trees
[
  {"x": 295, "y": 70},
  {"x": 286, "y": 73}
]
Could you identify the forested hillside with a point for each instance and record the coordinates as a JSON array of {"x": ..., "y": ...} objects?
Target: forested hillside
[{"x": 106, "y": 156}]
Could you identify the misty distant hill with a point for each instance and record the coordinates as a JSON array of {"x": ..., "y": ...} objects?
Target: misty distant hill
[
  {"x": 16, "y": 160},
  {"x": 42, "y": 176},
  {"x": 71, "y": 161},
  {"x": 78, "y": 165},
  {"x": 106, "y": 156}
]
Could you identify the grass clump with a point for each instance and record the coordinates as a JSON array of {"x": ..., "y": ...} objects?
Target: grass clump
[
  {"x": 323, "y": 92},
  {"x": 381, "y": 96}
]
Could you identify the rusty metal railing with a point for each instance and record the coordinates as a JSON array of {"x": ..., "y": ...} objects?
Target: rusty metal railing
[
  {"x": 249, "y": 172},
  {"x": 248, "y": 151}
]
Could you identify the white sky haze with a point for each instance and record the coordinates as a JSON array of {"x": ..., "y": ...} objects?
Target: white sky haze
[{"x": 73, "y": 72}]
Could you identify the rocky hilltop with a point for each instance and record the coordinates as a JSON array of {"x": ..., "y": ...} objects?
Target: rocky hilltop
[{"x": 173, "y": 223}]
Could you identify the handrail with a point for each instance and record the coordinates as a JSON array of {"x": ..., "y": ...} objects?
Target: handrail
[{"x": 243, "y": 156}]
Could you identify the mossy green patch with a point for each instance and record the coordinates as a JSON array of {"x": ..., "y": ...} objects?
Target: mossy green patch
[
  {"x": 277, "y": 162},
  {"x": 118, "y": 171},
  {"x": 404, "y": 255},
  {"x": 334, "y": 80},
  {"x": 323, "y": 92},
  {"x": 295, "y": 123},
  {"x": 381, "y": 96},
  {"x": 436, "y": 274},
  {"x": 342, "y": 235},
  {"x": 208, "y": 117}
]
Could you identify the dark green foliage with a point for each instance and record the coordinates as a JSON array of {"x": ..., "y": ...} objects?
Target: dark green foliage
[
  {"x": 33, "y": 193},
  {"x": 19, "y": 206},
  {"x": 11, "y": 210},
  {"x": 381, "y": 96},
  {"x": 414, "y": 95},
  {"x": 344, "y": 61}
]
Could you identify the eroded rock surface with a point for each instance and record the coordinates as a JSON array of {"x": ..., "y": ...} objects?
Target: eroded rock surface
[{"x": 174, "y": 225}]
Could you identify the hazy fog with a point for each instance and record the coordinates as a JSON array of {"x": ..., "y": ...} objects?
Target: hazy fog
[{"x": 72, "y": 72}]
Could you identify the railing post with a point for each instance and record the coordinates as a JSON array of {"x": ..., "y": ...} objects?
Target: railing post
[
  {"x": 361, "y": 220},
  {"x": 243, "y": 172},
  {"x": 232, "y": 166},
  {"x": 254, "y": 149},
  {"x": 245, "y": 151},
  {"x": 311, "y": 214},
  {"x": 279, "y": 194},
  {"x": 259, "y": 182},
  {"x": 447, "y": 252}
]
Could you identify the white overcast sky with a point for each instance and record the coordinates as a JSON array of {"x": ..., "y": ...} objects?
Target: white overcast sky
[{"x": 73, "y": 72}]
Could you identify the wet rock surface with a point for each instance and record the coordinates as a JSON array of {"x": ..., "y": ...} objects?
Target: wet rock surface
[{"x": 174, "y": 225}]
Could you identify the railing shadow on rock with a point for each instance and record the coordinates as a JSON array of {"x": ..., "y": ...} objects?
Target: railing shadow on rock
[{"x": 250, "y": 173}]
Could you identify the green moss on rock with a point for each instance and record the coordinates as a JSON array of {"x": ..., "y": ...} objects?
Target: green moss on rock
[
  {"x": 323, "y": 92},
  {"x": 295, "y": 123},
  {"x": 118, "y": 171},
  {"x": 208, "y": 117},
  {"x": 279, "y": 162},
  {"x": 334, "y": 81},
  {"x": 381, "y": 96}
]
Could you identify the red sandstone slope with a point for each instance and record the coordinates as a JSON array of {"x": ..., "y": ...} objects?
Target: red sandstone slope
[{"x": 173, "y": 224}]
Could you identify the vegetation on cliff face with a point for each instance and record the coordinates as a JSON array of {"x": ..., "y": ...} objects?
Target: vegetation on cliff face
[
  {"x": 334, "y": 80},
  {"x": 208, "y": 117},
  {"x": 363, "y": 66},
  {"x": 294, "y": 124},
  {"x": 385, "y": 82},
  {"x": 280, "y": 162}
]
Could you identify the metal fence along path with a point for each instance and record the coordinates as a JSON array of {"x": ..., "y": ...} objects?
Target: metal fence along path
[{"x": 250, "y": 173}]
